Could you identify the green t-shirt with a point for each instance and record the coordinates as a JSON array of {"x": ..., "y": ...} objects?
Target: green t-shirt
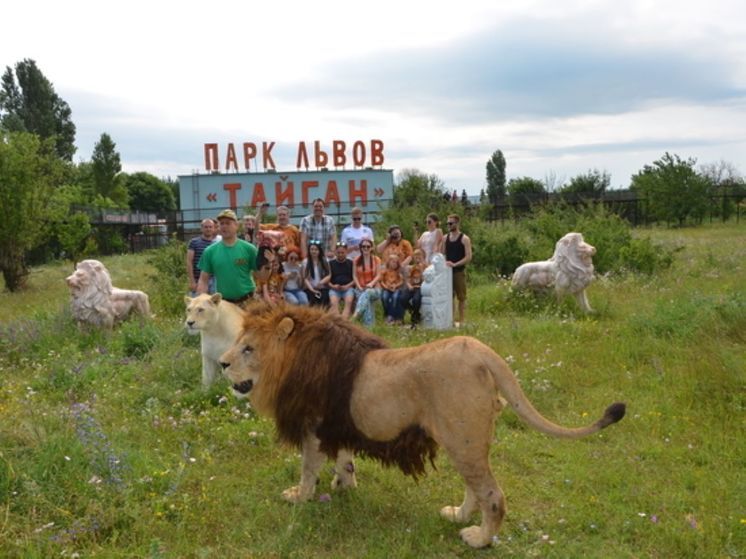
[{"x": 231, "y": 266}]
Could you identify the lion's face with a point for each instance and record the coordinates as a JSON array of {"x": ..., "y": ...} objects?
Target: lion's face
[
  {"x": 583, "y": 250},
  {"x": 89, "y": 275},
  {"x": 201, "y": 312},
  {"x": 574, "y": 247},
  {"x": 241, "y": 365}
]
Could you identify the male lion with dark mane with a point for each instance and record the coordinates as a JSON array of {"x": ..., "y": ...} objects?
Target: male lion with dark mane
[{"x": 336, "y": 390}]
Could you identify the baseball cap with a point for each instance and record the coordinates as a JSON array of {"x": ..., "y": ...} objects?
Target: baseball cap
[{"x": 230, "y": 214}]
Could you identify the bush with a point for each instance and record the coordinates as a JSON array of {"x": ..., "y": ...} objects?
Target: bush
[
  {"x": 169, "y": 282},
  {"x": 495, "y": 248},
  {"x": 641, "y": 255},
  {"x": 138, "y": 338}
]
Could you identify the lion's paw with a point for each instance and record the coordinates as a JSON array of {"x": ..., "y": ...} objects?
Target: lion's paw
[
  {"x": 474, "y": 537},
  {"x": 453, "y": 514},
  {"x": 295, "y": 495},
  {"x": 345, "y": 481}
]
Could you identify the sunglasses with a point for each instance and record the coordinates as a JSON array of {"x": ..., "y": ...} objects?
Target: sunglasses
[
  {"x": 342, "y": 244},
  {"x": 357, "y": 219},
  {"x": 314, "y": 242},
  {"x": 451, "y": 223}
]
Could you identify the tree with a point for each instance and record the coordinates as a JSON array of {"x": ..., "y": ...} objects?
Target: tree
[
  {"x": 148, "y": 193},
  {"x": 29, "y": 172},
  {"x": 727, "y": 183},
  {"x": 672, "y": 189},
  {"x": 465, "y": 198},
  {"x": 496, "y": 177},
  {"x": 107, "y": 167},
  {"x": 416, "y": 188},
  {"x": 525, "y": 191},
  {"x": 592, "y": 184},
  {"x": 30, "y": 104}
]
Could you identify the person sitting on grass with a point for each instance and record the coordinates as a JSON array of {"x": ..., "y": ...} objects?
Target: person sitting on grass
[
  {"x": 414, "y": 282},
  {"x": 342, "y": 283},
  {"x": 293, "y": 274},
  {"x": 366, "y": 273},
  {"x": 392, "y": 296},
  {"x": 273, "y": 287},
  {"x": 316, "y": 275}
]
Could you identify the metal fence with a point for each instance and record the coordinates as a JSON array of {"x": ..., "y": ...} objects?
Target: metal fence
[{"x": 147, "y": 231}]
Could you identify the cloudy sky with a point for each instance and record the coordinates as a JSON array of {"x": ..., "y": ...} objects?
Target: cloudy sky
[{"x": 559, "y": 87}]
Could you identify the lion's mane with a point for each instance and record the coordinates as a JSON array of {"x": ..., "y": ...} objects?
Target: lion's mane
[
  {"x": 573, "y": 272},
  {"x": 307, "y": 382}
]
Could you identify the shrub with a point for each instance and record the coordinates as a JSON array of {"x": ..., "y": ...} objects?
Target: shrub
[
  {"x": 169, "y": 283},
  {"x": 495, "y": 248},
  {"x": 641, "y": 255}
]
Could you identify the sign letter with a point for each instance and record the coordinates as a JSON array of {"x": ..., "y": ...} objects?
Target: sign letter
[
  {"x": 332, "y": 194},
  {"x": 285, "y": 197},
  {"x": 258, "y": 197},
  {"x": 232, "y": 188},
  {"x": 230, "y": 158},
  {"x": 321, "y": 157},
  {"x": 361, "y": 192},
  {"x": 305, "y": 186},
  {"x": 211, "y": 157},
  {"x": 302, "y": 160},
  {"x": 358, "y": 153},
  {"x": 376, "y": 152},
  {"x": 249, "y": 153},
  {"x": 338, "y": 153},
  {"x": 267, "y": 160}
]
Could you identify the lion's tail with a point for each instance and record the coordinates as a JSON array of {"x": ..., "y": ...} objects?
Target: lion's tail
[{"x": 509, "y": 388}]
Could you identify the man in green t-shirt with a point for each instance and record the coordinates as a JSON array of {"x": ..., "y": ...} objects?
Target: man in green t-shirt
[{"x": 231, "y": 261}]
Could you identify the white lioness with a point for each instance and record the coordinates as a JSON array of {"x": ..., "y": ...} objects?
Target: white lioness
[{"x": 218, "y": 322}]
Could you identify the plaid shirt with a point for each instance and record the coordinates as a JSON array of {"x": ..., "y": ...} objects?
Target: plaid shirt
[{"x": 322, "y": 231}]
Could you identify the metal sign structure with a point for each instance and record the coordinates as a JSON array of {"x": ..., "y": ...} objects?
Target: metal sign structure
[{"x": 204, "y": 195}]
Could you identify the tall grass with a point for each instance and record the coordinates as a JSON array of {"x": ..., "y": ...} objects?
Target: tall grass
[{"x": 108, "y": 447}]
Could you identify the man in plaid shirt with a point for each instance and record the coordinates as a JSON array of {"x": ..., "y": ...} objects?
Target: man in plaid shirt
[{"x": 318, "y": 227}]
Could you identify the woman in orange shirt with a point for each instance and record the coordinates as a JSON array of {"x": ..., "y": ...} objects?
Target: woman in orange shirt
[{"x": 366, "y": 272}]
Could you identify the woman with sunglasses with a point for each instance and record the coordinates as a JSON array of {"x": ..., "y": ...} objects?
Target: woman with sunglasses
[
  {"x": 293, "y": 274},
  {"x": 367, "y": 273},
  {"x": 354, "y": 233},
  {"x": 316, "y": 275}
]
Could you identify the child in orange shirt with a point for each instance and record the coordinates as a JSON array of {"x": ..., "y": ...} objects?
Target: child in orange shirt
[
  {"x": 414, "y": 282},
  {"x": 392, "y": 281}
]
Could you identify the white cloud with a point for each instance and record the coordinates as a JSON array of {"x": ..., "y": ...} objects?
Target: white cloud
[{"x": 558, "y": 86}]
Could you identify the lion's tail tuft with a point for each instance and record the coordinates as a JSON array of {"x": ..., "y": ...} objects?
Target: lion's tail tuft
[{"x": 614, "y": 413}]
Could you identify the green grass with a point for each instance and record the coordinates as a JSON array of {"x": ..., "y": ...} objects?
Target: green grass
[{"x": 108, "y": 447}]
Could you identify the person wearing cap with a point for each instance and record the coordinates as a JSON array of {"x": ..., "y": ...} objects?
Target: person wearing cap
[
  {"x": 232, "y": 262},
  {"x": 354, "y": 233},
  {"x": 318, "y": 227}
]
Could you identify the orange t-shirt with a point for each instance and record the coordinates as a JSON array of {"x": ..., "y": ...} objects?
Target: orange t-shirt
[
  {"x": 291, "y": 233},
  {"x": 403, "y": 249},
  {"x": 415, "y": 274},
  {"x": 391, "y": 278},
  {"x": 365, "y": 276}
]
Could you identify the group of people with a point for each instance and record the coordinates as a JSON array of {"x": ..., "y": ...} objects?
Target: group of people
[{"x": 308, "y": 265}]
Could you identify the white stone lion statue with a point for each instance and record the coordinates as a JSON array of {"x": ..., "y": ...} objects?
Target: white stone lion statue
[
  {"x": 568, "y": 271},
  {"x": 437, "y": 294},
  {"x": 97, "y": 302},
  {"x": 218, "y": 323}
]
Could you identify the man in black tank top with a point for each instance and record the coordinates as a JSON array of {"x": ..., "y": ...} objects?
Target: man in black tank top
[{"x": 457, "y": 248}]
